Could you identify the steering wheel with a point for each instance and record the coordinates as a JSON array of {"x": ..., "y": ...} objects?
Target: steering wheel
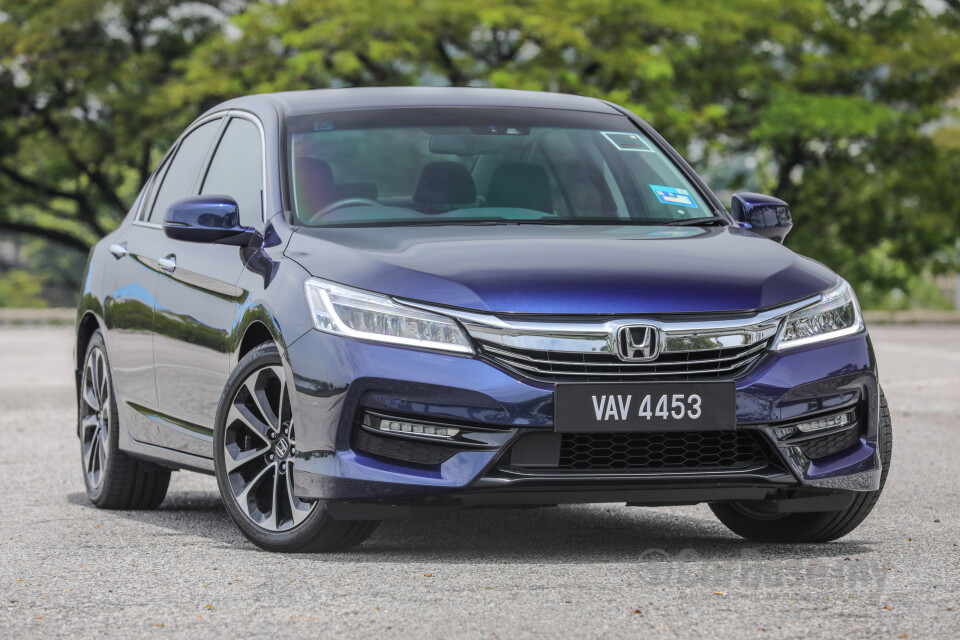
[{"x": 340, "y": 204}]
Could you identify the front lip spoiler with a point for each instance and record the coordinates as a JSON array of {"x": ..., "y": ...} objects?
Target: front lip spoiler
[
  {"x": 507, "y": 477},
  {"x": 506, "y": 486},
  {"x": 537, "y": 489}
]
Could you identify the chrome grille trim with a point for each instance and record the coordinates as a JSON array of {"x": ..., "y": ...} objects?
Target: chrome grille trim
[
  {"x": 571, "y": 348},
  {"x": 552, "y": 369},
  {"x": 497, "y": 351}
]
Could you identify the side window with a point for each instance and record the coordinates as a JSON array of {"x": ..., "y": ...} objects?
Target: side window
[
  {"x": 237, "y": 170},
  {"x": 181, "y": 172},
  {"x": 152, "y": 185},
  {"x": 137, "y": 207}
]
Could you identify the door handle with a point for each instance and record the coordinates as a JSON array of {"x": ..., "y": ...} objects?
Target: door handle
[
  {"x": 118, "y": 250},
  {"x": 168, "y": 263}
]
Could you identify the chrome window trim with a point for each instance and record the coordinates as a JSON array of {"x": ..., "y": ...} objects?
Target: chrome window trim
[
  {"x": 147, "y": 202},
  {"x": 149, "y": 225},
  {"x": 246, "y": 115},
  {"x": 566, "y": 335}
]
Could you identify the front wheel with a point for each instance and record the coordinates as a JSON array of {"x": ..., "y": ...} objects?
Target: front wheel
[
  {"x": 764, "y": 526},
  {"x": 255, "y": 441}
]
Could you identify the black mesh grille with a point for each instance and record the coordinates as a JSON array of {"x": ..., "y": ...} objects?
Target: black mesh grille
[
  {"x": 404, "y": 450},
  {"x": 710, "y": 364},
  {"x": 660, "y": 450},
  {"x": 833, "y": 443}
]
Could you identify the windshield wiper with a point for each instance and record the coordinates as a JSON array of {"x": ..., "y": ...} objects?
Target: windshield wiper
[
  {"x": 441, "y": 221},
  {"x": 698, "y": 222}
]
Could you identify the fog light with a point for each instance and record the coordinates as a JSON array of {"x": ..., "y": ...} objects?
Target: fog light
[
  {"x": 829, "y": 422},
  {"x": 835, "y": 421},
  {"x": 785, "y": 432}
]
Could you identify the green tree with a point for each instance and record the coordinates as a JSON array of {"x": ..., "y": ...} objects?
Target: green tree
[
  {"x": 829, "y": 104},
  {"x": 82, "y": 115},
  {"x": 824, "y": 103},
  {"x": 21, "y": 289}
]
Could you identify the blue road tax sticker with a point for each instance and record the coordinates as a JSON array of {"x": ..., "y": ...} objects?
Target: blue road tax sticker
[{"x": 670, "y": 195}]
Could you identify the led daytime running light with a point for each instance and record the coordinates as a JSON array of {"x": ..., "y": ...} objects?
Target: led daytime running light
[{"x": 397, "y": 426}]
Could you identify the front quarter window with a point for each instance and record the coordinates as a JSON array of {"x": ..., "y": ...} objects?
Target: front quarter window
[{"x": 237, "y": 170}]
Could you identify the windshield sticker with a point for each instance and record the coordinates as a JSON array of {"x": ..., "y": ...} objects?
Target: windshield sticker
[
  {"x": 626, "y": 141},
  {"x": 670, "y": 195}
]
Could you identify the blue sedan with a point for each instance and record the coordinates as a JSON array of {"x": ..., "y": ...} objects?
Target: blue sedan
[{"x": 351, "y": 304}]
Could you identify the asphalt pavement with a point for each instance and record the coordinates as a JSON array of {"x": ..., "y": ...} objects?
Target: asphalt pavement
[{"x": 607, "y": 571}]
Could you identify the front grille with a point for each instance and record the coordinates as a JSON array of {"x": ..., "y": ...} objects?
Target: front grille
[
  {"x": 730, "y": 362},
  {"x": 660, "y": 450}
]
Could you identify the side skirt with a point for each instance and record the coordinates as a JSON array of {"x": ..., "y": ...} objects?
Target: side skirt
[{"x": 169, "y": 458}]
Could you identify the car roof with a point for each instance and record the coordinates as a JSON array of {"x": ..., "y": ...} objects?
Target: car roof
[{"x": 292, "y": 103}]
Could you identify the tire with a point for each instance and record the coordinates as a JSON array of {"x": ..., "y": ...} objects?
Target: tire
[
  {"x": 113, "y": 479},
  {"x": 822, "y": 526},
  {"x": 254, "y": 441}
]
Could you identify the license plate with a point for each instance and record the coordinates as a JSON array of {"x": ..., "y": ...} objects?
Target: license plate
[{"x": 591, "y": 407}]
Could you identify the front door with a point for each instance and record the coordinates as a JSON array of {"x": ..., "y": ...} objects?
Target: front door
[
  {"x": 197, "y": 305},
  {"x": 198, "y": 300}
]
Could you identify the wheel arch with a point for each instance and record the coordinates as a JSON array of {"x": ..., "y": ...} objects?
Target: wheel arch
[
  {"x": 258, "y": 324},
  {"x": 255, "y": 334},
  {"x": 88, "y": 324}
]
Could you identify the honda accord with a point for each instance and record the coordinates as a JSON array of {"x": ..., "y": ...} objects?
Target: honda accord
[{"x": 351, "y": 304}]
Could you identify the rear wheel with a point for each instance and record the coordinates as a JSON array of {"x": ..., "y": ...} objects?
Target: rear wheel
[
  {"x": 113, "y": 479},
  {"x": 255, "y": 442},
  {"x": 754, "y": 523}
]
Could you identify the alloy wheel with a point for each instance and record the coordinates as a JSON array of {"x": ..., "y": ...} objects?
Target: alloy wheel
[
  {"x": 258, "y": 448},
  {"x": 95, "y": 410}
]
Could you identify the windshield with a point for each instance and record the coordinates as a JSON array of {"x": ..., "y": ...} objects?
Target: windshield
[{"x": 381, "y": 167}]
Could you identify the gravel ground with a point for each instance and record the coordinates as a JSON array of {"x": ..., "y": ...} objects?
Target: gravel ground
[{"x": 70, "y": 570}]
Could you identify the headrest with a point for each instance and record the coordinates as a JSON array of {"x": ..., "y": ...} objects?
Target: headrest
[
  {"x": 445, "y": 183},
  {"x": 521, "y": 185},
  {"x": 313, "y": 185}
]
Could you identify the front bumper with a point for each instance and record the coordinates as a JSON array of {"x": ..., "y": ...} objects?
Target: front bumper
[{"x": 336, "y": 379}]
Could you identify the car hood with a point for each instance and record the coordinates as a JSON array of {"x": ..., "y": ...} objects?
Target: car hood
[{"x": 561, "y": 269}]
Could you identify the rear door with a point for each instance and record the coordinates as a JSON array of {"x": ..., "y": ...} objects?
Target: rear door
[
  {"x": 198, "y": 298},
  {"x": 133, "y": 278}
]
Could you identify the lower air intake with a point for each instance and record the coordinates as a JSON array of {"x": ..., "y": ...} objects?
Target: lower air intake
[
  {"x": 660, "y": 450},
  {"x": 403, "y": 450},
  {"x": 829, "y": 444}
]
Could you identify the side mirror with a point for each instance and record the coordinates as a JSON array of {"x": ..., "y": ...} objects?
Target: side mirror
[
  {"x": 210, "y": 219},
  {"x": 763, "y": 215}
]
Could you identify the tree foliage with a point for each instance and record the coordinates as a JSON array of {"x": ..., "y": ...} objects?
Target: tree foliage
[
  {"x": 833, "y": 105},
  {"x": 82, "y": 107}
]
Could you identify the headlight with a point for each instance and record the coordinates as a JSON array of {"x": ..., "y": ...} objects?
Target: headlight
[
  {"x": 350, "y": 312},
  {"x": 836, "y": 314}
]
